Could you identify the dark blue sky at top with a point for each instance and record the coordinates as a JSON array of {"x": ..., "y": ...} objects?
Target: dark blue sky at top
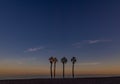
[{"x": 56, "y": 24}]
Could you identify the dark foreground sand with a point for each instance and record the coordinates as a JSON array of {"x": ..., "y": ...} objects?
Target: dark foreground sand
[{"x": 105, "y": 80}]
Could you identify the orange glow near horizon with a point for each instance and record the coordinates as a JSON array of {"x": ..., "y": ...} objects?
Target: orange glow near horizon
[
  {"x": 46, "y": 71},
  {"x": 26, "y": 67}
]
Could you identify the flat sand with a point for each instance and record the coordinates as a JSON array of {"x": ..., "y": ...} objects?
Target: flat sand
[{"x": 100, "y": 80}]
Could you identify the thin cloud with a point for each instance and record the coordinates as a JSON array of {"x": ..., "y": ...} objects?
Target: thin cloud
[
  {"x": 97, "y": 41},
  {"x": 34, "y": 49},
  {"x": 88, "y": 42},
  {"x": 92, "y": 63}
]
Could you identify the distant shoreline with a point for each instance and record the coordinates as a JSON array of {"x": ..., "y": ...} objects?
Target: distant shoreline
[{"x": 36, "y": 78}]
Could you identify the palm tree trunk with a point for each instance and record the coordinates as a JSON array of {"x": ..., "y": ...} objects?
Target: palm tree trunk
[
  {"x": 63, "y": 70},
  {"x": 51, "y": 69},
  {"x": 73, "y": 70},
  {"x": 54, "y": 69}
]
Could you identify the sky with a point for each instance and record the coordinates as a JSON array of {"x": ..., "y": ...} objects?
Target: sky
[{"x": 31, "y": 31}]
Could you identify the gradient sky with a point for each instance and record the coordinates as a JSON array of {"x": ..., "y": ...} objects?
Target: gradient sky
[{"x": 33, "y": 30}]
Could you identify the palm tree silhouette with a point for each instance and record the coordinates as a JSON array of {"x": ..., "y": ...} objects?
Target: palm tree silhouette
[
  {"x": 64, "y": 61},
  {"x": 73, "y": 60},
  {"x": 51, "y": 59},
  {"x": 55, "y": 60}
]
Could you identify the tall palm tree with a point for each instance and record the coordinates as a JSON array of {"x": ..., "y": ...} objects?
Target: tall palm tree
[
  {"x": 64, "y": 61},
  {"x": 51, "y": 59},
  {"x": 73, "y": 60},
  {"x": 55, "y": 61}
]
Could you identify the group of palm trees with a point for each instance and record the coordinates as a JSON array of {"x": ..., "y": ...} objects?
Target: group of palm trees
[{"x": 54, "y": 60}]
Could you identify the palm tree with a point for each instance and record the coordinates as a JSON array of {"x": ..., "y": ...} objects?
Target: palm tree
[
  {"x": 64, "y": 61},
  {"x": 73, "y": 60},
  {"x": 55, "y": 60},
  {"x": 51, "y": 59}
]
